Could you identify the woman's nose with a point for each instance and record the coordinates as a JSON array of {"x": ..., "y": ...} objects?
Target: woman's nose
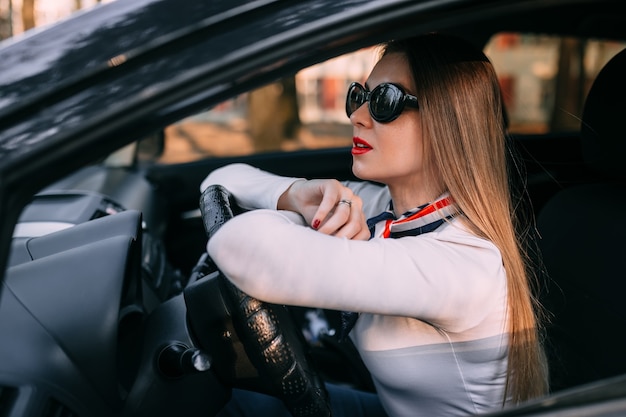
[{"x": 361, "y": 116}]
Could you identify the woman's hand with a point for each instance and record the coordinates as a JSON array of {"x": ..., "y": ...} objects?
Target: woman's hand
[{"x": 328, "y": 206}]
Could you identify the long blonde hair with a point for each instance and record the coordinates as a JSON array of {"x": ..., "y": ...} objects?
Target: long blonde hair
[{"x": 463, "y": 128}]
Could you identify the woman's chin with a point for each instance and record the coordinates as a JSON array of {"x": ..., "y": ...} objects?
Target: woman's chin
[{"x": 363, "y": 173}]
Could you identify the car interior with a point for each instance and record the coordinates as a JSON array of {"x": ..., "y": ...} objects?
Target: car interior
[{"x": 131, "y": 225}]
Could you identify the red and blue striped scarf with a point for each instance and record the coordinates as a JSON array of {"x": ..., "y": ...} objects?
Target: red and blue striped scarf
[{"x": 422, "y": 219}]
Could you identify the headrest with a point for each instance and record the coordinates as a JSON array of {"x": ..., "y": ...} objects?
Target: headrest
[{"x": 603, "y": 126}]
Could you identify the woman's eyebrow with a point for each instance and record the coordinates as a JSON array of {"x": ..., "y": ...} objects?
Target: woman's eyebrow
[{"x": 404, "y": 87}]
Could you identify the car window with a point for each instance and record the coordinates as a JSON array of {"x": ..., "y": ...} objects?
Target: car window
[
  {"x": 306, "y": 111},
  {"x": 544, "y": 81}
]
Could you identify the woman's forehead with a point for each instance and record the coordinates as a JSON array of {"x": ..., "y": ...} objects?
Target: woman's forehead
[{"x": 391, "y": 68}]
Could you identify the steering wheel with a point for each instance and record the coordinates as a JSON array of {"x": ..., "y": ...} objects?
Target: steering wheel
[{"x": 272, "y": 342}]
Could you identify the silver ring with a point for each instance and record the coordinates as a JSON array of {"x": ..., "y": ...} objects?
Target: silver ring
[{"x": 346, "y": 202}]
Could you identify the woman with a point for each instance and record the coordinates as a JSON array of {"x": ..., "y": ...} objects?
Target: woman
[{"x": 447, "y": 322}]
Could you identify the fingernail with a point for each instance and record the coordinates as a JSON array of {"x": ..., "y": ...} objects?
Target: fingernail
[{"x": 316, "y": 223}]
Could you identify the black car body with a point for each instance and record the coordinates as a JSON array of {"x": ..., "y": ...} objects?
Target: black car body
[{"x": 87, "y": 311}]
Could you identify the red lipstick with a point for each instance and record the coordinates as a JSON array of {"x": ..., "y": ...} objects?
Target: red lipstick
[{"x": 360, "y": 146}]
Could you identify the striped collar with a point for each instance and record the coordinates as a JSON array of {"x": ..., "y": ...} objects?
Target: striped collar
[{"x": 422, "y": 219}]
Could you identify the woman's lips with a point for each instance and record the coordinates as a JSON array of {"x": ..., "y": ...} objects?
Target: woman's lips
[{"x": 360, "y": 146}]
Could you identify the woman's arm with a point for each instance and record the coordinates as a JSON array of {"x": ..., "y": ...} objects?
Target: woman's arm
[
  {"x": 251, "y": 187},
  {"x": 449, "y": 282},
  {"x": 328, "y": 206}
]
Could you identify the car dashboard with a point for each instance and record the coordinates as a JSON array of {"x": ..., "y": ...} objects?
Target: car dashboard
[{"x": 91, "y": 297}]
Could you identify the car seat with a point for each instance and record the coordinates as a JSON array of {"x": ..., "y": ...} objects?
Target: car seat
[{"x": 583, "y": 243}]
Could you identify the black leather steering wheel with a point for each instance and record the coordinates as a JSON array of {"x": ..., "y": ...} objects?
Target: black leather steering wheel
[{"x": 271, "y": 340}]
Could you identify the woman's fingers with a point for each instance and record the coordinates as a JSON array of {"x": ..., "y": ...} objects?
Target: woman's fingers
[
  {"x": 355, "y": 230},
  {"x": 328, "y": 206},
  {"x": 331, "y": 192},
  {"x": 347, "y": 219}
]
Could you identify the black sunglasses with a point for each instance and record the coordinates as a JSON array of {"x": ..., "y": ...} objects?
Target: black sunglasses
[{"x": 386, "y": 101}]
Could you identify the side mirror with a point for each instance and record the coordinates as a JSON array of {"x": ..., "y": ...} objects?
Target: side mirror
[{"x": 151, "y": 147}]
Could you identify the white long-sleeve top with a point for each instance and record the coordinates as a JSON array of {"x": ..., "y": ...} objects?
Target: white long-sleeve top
[{"x": 432, "y": 329}]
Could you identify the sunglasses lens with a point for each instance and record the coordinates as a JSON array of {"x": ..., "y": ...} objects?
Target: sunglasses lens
[
  {"x": 357, "y": 95},
  {"x": 385, "y": 103}
]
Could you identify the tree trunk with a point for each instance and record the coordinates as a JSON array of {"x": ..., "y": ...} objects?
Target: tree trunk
[
  {"x": 78, "y": 4},
  {"x": 273, "y": 114},
  {"x": 6, "y": 22},
  {"x": 28, "y": 14},
  {"x": 569, "y": 93}
]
